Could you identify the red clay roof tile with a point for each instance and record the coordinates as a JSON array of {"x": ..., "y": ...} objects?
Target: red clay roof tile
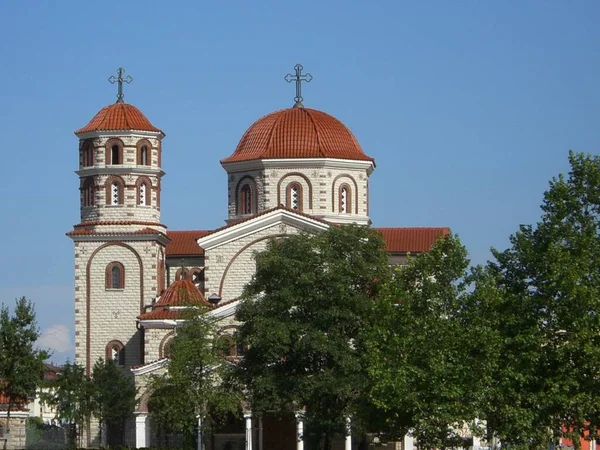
[
  {"x": 414, "y": 240},
  {"x": 183, "y": 243},
  {"x": 297, "y": 133},
  {"x": 181, "y": 293},
  {"x": 119, "y": 117}
]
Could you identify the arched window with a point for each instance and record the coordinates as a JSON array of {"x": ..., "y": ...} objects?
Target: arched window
[
  {"x": 143, "y": 195},
  {"x": 115, "y": 351},
  {"x": 246, "y": 200},
  {"x": 115, "y": 198},
  {"x": 144, "y": 160},
  {"x": 87, "y": 155},
  {"x": 115, "y": 155},
  {"x": 114, "y": 152},
  {"x": 115, "y": 276},
  {"x": 198, "y": 278},
  {"x": 88, "y": 192},
  {"x": 164, "y": 349},
  {"x": 345, "y": 199},
  {"x": 294, "y": 196},
  {"x": 115, "y": 191},
  {"x": 182, "y": 274}
]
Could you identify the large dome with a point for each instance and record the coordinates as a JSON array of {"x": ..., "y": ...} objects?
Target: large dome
[
  {"x": 119, "y": 117},
  {"x": 297, "y": 133}
]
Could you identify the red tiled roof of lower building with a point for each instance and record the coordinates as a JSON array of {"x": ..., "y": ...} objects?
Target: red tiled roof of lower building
[
  {"x": 119, "y": 117},
  {"x": 181, "y": 293},
  {"x": 161, "y": 314},
  {"x": 184, "y": 242},
  {"x": 410, "y": 240}
]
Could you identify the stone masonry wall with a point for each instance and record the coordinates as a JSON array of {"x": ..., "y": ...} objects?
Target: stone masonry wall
[
  {"x": 232, "y": 265},
  {"x": 113, "y": 312},
  {"x": 323, "y": 183}
]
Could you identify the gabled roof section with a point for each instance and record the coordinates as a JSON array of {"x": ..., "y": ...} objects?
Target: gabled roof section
[
  {"x": 410, "y": 240},
  {"x": 258, "y": 222},
  {"x": 185, "y": 243}
]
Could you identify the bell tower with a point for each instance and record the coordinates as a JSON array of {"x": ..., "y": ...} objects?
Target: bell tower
[{"x": 119, "y": 241}]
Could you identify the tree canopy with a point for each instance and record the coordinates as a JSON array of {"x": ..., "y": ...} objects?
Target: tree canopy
[
  {"x": 21, "y": 363},
  {"x": 303, "y": 315},
  {"x": 196, "y": 383},
  {"x": 549, "y": 279}
]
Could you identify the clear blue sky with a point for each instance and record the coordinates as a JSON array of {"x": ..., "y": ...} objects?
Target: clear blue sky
[{"x": 469, "y": 108}]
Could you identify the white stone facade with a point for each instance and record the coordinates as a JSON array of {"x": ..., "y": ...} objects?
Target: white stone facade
[{"x": 321, "y": 181}]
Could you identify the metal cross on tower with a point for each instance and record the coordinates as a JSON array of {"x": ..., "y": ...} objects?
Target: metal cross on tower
[
  {"x": 120, "y": 80},
  {"x": 299, "y": 78}
]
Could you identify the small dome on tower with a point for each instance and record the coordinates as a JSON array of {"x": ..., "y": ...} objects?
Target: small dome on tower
[
  {"x": 181, "y": 293},
  {"x": 297, "y": 133},
  {"x": 119, "y": 117}
]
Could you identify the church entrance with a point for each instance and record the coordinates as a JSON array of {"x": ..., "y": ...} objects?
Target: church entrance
[{"x": 279, "y": 431}]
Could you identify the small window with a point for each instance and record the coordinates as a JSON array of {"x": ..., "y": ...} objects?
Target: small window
[
  {"x": 115, "y": 154},
  {"x": 294, "y": 196},
  {"x": 115, "y": 276},
  {"x": 198, "y": 279},
  {"x": 246, "y": 200},
  {"x": 114, "y": 191},
  {"x": 115, "y": 351},
  {"x": 144, "y": 156},
  {"x": 88, "y": 192},
  {"x": 88, "y": 154},
  {"x": 143, "y": 194},
  {"x": 115, "y": 198},
  {"x": 345, "y": 199},
  {"x": 182, "y": 274}
]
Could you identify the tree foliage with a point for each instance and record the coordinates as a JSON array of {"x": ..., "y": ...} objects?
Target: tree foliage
[
  {"x": 72, "y": 397},
  {"x": 429, "y": 349},
  {"x": 196, "y": 381},
  {"x": 302, "y": 317},
  {"x": 113, "y": 399},
  {"x": 21, "y": 364},
  {"x": 549, "y": 364}
]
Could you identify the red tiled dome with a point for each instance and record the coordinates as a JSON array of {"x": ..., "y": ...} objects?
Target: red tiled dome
[
  {"x": 181, "y": 293},
  {"x": 297, "y": 133},
  {"x": 119, "y": 117}
]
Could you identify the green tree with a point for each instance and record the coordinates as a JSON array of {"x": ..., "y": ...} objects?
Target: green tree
[
  {"x": 196, "y": 381},
  {"x": 21, "y": 364},
  {"x": 549, "y": 280},
  {"x": 71, "y": 395},
  {"x": 429, "y": 351},
  {"x": 302, "y": 318},
  {"x": 113, "y": 399}
]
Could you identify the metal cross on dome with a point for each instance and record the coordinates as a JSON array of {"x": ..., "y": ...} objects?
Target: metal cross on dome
[
  {"x": 299, "y": 78},
  {"x": 120, "y": 79}
]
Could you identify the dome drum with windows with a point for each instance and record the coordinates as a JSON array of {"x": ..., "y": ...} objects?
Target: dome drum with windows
[{"x": 304, "y": 159}]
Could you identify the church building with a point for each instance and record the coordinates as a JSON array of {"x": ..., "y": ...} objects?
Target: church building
[{"x": 294, "y": 169}]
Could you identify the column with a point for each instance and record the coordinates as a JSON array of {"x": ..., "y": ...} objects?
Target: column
[
  {"x": 199, "y": 445},
  {"x": 348, "y": 442},
  {"x": 260, "y": 432},
  {"x": 142, "y": 430},
  {"x": 408, "y": 442},
  {"x": 248, "y": 417},
  {"x": 299, "y": 431},
  {"x": 476, "y": 442}
]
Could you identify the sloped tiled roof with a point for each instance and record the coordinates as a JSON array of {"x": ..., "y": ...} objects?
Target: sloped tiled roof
[
  {"x": 297, "y": 133},
  {"x": 184, "y": 242},
  {"x": 410, "y": 240},
  {"x": 119, "y": 117},
  {"x": 180, "y": 293}
]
